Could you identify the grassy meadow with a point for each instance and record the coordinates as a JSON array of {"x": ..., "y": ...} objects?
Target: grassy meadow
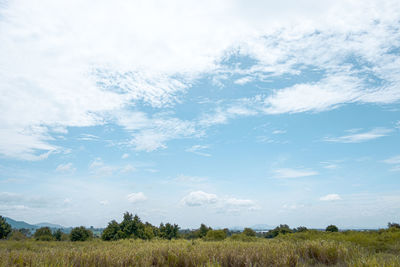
[{"x": 310, "y": 248}]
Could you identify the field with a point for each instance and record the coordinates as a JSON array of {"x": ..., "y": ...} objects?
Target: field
[{"x": 310, "y": 248}]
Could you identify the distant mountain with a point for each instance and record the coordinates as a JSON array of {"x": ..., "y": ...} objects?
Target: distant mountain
[
  {"x": 20, "y": 224},
  {"x": 51, "y": 225}
]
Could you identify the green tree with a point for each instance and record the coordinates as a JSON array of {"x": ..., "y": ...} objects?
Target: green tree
[
  {"x": 112, "y": 231},
  {"x": 393, "y": 225},
  {"x": 17, "y": 235},
  {"x": 249, "y": 232},
  {"x": 203, "y": 230},
  {"x": 58, "y": 235},
  {"x": 43, "y": 234},
  {"x": 5, "y": 228},
  {"x": 282, "y": 229},
  {"x": 80, "y": 234},
  {"x": 169, "y": 231},
  {"x": 215, "y": 235},
  {"x": 332, "y": 228},
  {"x": 300, "y": 229}
]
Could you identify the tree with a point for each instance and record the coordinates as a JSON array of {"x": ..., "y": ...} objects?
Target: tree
[
  {"x": 215, "y": 235},
  {"x": 203, "y": 230},
  {"x": 112, "y": 231},
  {"x": 279, "y": 230},
  {"x": 58, "y": 235},
  {"x": 80, "y": 234},
  {"x": 43, "y": 234},
  {"x": 249, "y": 232},
  {"x": 5, "y": 228},
  {"x": 168, "y": 231},
  {"x": 332, "y": 228},
  {"x": 393, "y": 225},
  {"x": 300, "y": 229},
  {"x": 17, "y": 235}
]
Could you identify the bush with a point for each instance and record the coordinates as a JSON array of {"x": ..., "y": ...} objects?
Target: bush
[
  {"x": 332, "y": 228},
  {"x": 80, "y": 234},
  {"x": 242, "y": 237},
  {"x": 249, "y": 232},
  {"x": 17, "y": 235},
  {"x": 215, "y": 235},
  {"x": 43, "y": 234},
  {"x": 5, "y": 228},
  {"x": 279, "y": 230}
]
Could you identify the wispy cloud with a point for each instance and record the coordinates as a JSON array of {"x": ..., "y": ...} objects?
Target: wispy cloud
[
  {"x": 199, "y": 150},
  {"x": 293, "y": 173},
  {"x": 67, "y": 167},
  {"x": 360, "y": 136},
  {"x": 330, "y": 197},
  {"x": 394, "y": 161},
  {"x": 136, "y": 197}
]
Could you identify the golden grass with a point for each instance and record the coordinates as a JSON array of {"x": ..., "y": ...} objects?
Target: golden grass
[{"x": 263, "y": 252}]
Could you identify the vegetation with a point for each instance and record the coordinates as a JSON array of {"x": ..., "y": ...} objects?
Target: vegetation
[
  {"x": 79, "y": 234},
  {"x": 134, "y": 243},
  {"x": 332, "y": 228},
  {"x": 5, "y": 228}
]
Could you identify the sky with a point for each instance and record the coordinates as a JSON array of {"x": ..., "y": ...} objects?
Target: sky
[{"x": 228, "y": 113}]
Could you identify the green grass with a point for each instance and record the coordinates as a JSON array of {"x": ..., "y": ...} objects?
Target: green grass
[{"x": 301, "y": 249}]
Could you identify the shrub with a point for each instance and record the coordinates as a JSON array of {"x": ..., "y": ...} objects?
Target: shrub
[
  {"x": 215, "y": 235},
  {"x": 80, "y": 234},
  {"x": 332, "y": 228},
  {"x": 249, "y": 232},
  {"x": 57, "y": 235},
  {"x": 5, "y": 228},
  {"x": 17, "y": 235},
  {"x": 242, "y": 237},
  {"x": 279, "y": 230},
  {"x": 43, "y": 234}
]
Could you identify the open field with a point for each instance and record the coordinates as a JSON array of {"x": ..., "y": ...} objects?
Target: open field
[{"x": 301, "y": 249}]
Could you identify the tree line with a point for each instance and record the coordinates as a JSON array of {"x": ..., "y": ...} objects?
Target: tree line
[{"x": 132, "y": 227}]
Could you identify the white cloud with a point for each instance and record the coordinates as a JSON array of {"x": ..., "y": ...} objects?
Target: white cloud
[
  {"x": 99, "y": 168},
  {"x": 136, "y": 197},
  {"x": 220, "y": 204},
  {"x": 189, "y": 179},
  {"x": 199, "y": 198},
  {"x": 198, "y": 150},
  {"x": 293, "y": 173},
  {"x": 330, "y": 197},
  {"x": 125, "y": 156},
  {"x": 67, "y": 167},
  {"x": 128, "y": 168},
  {"x": 61, "y": 67},
  {"x": 394, "y": 161},
  {"x": 360, "y": 137}
]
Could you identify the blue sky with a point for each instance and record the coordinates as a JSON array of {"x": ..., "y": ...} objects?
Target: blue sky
[{"x": 230, "y": 114}]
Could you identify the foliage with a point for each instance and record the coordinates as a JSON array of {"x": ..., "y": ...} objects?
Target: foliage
[
  {"x": 80, "y": 234},
  {"x": 300, "y": 229},
  {"x": 279, "y": 230},
  {"x": 17, "y": 235},
  {"x": 215, "y": 235},
  {"x": 168, "y": 231},
  {"x": 332, "y": 228},
  {"x": 132, "y": 227},
  {"x": 393, "y": 225},
  {"x": 5, "y": 228},
  {"x": 243, "y": 238},
  {"x": 249, "y": 232},
  {"x": 58, "y": 235},
  {"x": 43, "y": 234}
]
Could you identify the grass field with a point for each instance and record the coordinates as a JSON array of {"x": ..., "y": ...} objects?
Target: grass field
[{"x": 310, "y": 248}]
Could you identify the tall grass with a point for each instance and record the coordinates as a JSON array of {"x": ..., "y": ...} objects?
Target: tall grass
[{"x": 262, "y": 252}]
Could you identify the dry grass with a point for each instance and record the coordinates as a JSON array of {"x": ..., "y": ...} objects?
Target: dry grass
[{"x": 191, "y": 253}]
